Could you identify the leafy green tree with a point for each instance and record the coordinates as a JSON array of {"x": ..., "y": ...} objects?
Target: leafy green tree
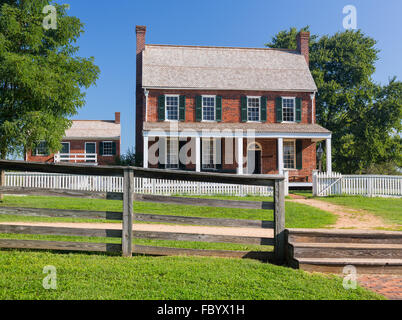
[
  {"x": 41, "y": 77},
  {"x": 365, "y": 117}
]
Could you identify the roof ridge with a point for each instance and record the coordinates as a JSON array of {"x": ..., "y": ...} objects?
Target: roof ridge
[{"x": 220, "y": 47}]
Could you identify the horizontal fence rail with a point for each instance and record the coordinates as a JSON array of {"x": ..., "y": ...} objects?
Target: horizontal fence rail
[
  {"x": 327, "y": 184},
  {"x": 43, "y": 181},
  {"x": 141, "y": 185}
]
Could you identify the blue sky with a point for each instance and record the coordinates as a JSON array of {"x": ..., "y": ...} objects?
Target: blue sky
[{"x": 110, "y": 37}]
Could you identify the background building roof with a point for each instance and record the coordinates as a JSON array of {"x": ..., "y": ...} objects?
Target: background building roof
[
  {"x": 192, "y": 67},
  {"x": 93, "y": 129}
]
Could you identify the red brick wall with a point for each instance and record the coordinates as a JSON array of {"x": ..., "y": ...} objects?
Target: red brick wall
[
  {"x": 230, "y": 104},
  {"x": 78, "y": 146}
]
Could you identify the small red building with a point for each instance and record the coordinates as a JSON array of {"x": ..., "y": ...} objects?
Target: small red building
[
  {"x": 95, "y": 142},
  {"x": 228, "y": 109}
]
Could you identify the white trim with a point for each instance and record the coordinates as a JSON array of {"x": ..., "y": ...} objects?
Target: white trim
[
  {"x": 259, "y": 109},
  {"x": 202, "y": 108},
  {"x": 146, "y": 92},
  {"x": 87, "y": 143},
  {"x": 233, "y": 89},
  {"x": 294, "y": 109},
  {"x": 312, "y": 96},
  {"x": 178, "y": 106}
]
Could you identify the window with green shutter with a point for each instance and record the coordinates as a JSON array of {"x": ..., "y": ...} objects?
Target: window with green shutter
[
  {"x": 198, "y": 108},
  {"x": 161, "y": 108},
  {"x": 298, "y": 109},
  {"x": 278, "y": 109},
  {"x": 182, "y": 108},
  {"x": 263, "y": 109},
  {"x": 218, "y": 108},
  {"x": 243, "y": 109}
]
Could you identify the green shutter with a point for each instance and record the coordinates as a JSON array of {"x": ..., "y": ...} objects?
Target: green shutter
[
  {"x": 218, "y": 108},
  {"x": 298, "y": 109},
  {"x": 101, "y": 148},
  {"x": 263, "y": 109},
  {"x": 243, "y": 109},
  {"x": 198, "y": 108},
  {"x": 278, "y": 109},
  {"x": 299, "y": 154},
  {"x": 161, "y": 108},
  {"x": 182, "y": 108},
  {"x": 114, "y": 149}
]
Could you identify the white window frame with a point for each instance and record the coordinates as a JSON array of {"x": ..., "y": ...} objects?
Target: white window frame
[
  {"x": 178, "y": 106},
  {"x": 86, "y": 149},
  {"x": 41, "y": 154},
  {"x": 294, "y": 109},
  {"x": 294, "y": 157},
  {"x": 259, "y": 109},
  {"x": 202, "y": 107},
  {"x": 167, "y": 151},
  {"x": 103, "y": 147}
]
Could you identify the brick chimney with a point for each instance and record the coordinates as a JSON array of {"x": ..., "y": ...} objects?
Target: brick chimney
[
  {"x": 140, "y": 99},
  {"x": 303, "y": 39},
  {"x": 117, "y": 117}
]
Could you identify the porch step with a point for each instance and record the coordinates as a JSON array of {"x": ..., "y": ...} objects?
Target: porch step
[
  {"x": 343, "y": 236},
  {"x": 346, "y": 250},
  {"x": 363, "y": 266}
]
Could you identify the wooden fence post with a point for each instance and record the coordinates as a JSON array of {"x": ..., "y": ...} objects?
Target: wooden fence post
[
  {"x": 279, "y": 221},
  {"x": 128, "y": 209},
  {"x": 2, "y": 182}
]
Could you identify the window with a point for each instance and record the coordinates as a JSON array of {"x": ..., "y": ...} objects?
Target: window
[
  {"x": 253, "y": 108},
  {"x": 108, "y": 148},
  {"x": 172, "y": 153},
  {"x": 288, "y": 109},
  {"x": 172, "y": 107},
  {"x": 65, "y": 151},
  {"x": 41, "y": 149},
  {"x": 209, "y": 154},
  {"x": 208, "y": 108},
  {"x": 289, "y": 154},
  {"x": 90, "y": 150}
]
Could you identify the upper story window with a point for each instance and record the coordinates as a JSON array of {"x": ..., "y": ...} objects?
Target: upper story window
[
  {"x": 172, "y": 108},
  {"x": 208, "y": 108},
  {"x": 253, "y": 108},
  {"x": 288, "y": 109}
]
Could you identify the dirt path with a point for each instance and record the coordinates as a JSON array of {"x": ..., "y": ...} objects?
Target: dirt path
[
  {"x": 347, "y": 217},
  {"x": 227, "y": 231}
]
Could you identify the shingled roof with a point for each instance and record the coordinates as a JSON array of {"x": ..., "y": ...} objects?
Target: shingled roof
[
  {"x": 93, "y": 129},
  {"x": 224, "y": 68}
]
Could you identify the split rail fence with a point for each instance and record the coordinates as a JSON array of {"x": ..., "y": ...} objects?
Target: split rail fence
[{"x": 128, "y": 196}]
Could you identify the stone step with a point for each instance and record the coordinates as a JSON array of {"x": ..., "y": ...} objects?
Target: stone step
[
  {"x": 336, "y": 265},
  {"x": 343, "y": 236},
  {"x": 345, "y": 250}
]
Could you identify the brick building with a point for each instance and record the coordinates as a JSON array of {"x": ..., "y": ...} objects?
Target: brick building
[
  {"x": 94, "y": 142},
  {"x": 223, "y": 109}
]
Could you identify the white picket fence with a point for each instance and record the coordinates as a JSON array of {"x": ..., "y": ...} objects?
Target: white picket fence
[
  {"x": 142, "y": 185},
  {"x": 325, "y": 184}
]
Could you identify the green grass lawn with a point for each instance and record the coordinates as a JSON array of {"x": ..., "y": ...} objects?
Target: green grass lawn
[
  {"x": 98, "y": 276},
  {"x": 297, "y": 215},
  {"x": 390, "y": 209}
]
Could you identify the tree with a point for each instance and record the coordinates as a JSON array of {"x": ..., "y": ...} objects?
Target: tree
[
  {"x": 41, "y": 77},
  {"x": 364, "y": 117}
]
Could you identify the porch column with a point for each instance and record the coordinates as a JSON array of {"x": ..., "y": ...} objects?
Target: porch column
[
  {"x": 280, "y": 156},
  {"x": 329, "y": 155},
  {"x": 240, "y": 155},
  {"x": 198, "y": 154},
  {"x": 145, "y": 152}
]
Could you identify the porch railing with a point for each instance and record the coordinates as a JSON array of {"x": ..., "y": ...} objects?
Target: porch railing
[{"x": 76, "y": 157}]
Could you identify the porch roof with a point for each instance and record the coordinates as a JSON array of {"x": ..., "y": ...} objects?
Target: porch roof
[{"x": 214, "y": 129}]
